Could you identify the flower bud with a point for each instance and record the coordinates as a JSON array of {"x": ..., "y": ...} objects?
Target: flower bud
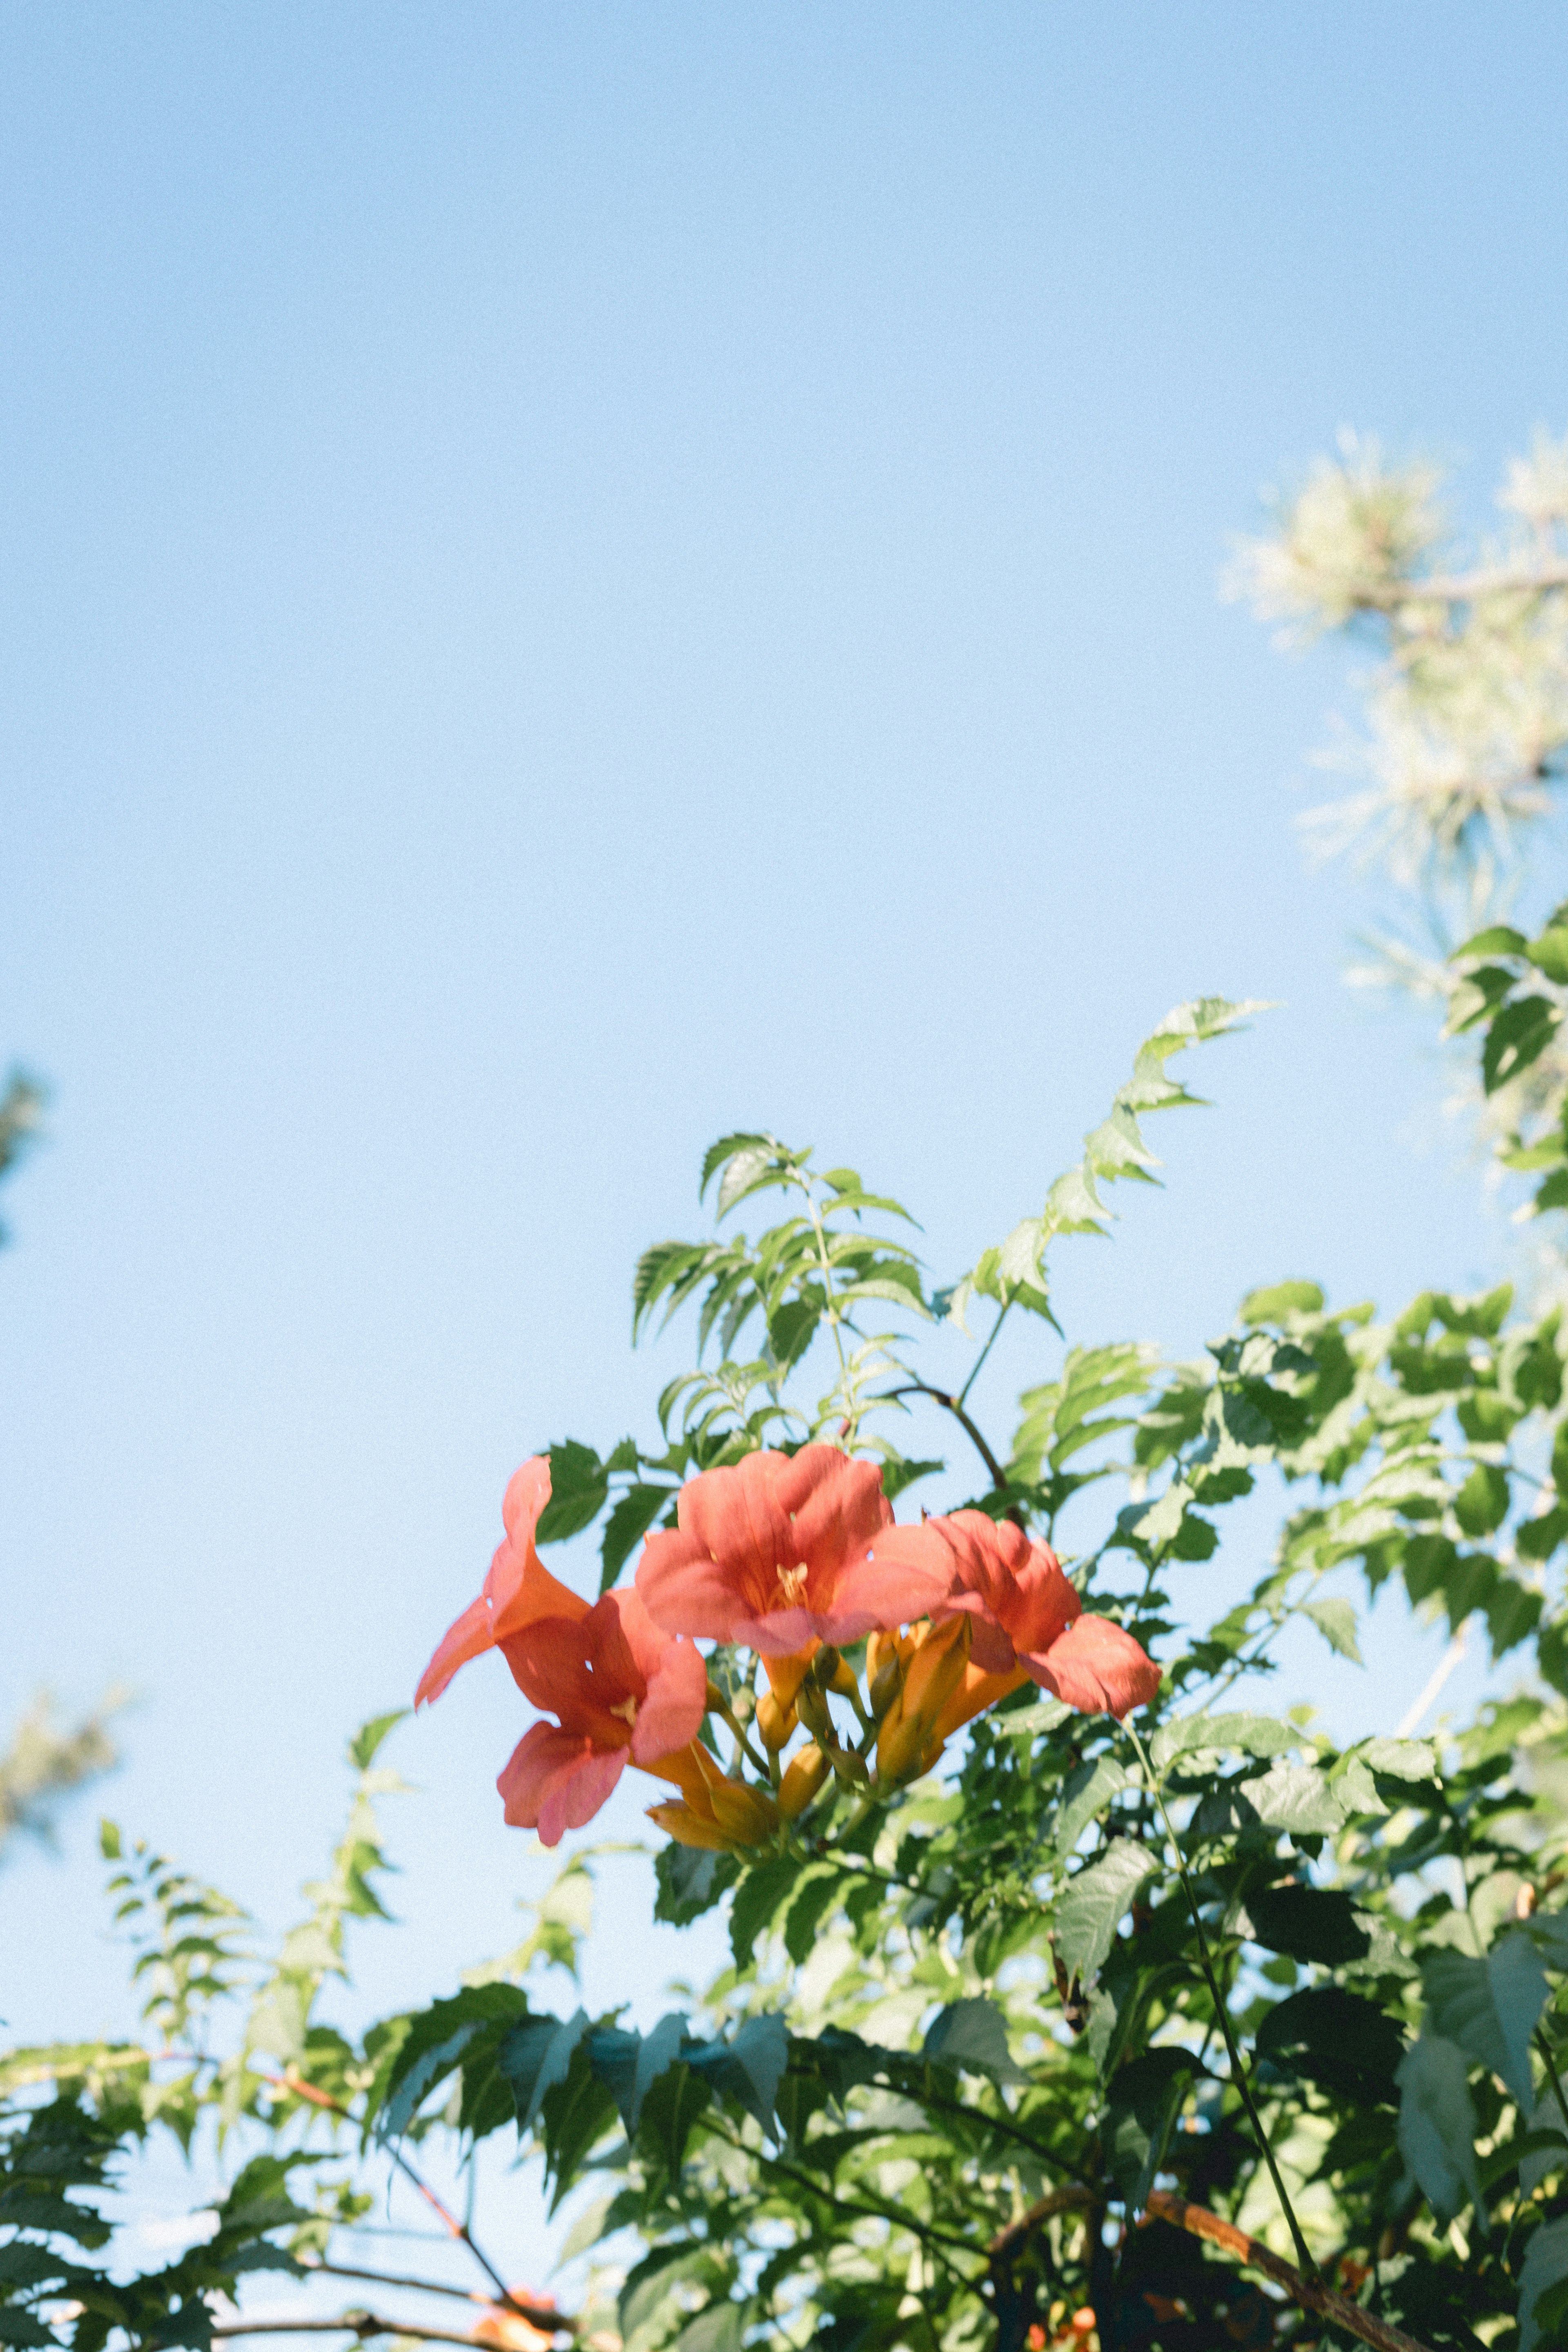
[
  {"x": 747, "y": 1816},
  {"x": 689, "y": 1828},
  {"x": 812, "y": 1710},
  {"x": 804, "y": 1776},
  {"x": 775, "y": 1722},
  {"x": 885, "y": 1684},
  {"x": 907, "y": 1741}
]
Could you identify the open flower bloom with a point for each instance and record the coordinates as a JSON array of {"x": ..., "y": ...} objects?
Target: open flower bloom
[
  {"x": 1025, "y": 1617},
  {"x": 760, "y": 1552},
  {"x": 619, "y": 1687}
]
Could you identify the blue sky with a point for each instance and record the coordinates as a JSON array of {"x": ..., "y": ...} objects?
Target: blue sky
[{"x": 577, "y": 578}]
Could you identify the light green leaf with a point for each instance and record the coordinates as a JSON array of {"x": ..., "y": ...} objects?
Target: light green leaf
[
  {"x": 1296, "y": 1798},
  {"x": 1335, "y": 1620},
  {"x": 1085, "y": 1798},
  {"x": 1095, "y": 1904},
  {"x": 1246, "y": 1735},
  {"x": 1402, "y": 1759}
]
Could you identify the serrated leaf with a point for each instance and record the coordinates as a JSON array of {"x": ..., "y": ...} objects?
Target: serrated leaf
[
  {"x": 1295, "y": 1798},
  {"x": 1095, "y": 1904},
  {"x": 1088, "y": 1792},
  {"x": 1245, "y": 1734},
  {"x": 1402, "y": 1759}
]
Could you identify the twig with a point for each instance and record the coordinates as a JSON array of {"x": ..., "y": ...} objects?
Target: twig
[
  {"x": 1060, "y": 2201},
  {"x": 540, "y": 2314},
  {"x": 1309, "y": 2293},
  {"x": 1544, "y": 2047},
  {"x": 298, "y": 2089},
  {"x": 954, "y": 1405},
  {"x": 362, "y": 2324}
]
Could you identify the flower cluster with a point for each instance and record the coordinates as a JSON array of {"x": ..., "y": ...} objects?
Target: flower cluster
[{"x": 795, "y": 1558}]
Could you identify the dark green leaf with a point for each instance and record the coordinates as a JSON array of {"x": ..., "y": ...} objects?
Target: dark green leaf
[{"x": 1309, "y": 1923}]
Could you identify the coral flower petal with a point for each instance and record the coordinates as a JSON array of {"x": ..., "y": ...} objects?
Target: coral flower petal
[
  {"x": 1097, "y": 1667},
  {"x": 518, "y": 1590},
  {"x": 761, "y": 1547},
  {"x": 671, "y": 1714},
  {"x": 557, "y": 1781}
]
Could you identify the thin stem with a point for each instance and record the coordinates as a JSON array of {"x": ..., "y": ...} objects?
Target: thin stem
[
  {"x": 302, "y": 2090},
  {"x": 954, "y": 1405},
  {"x": 385, "y": 2278},
  {"x": 1544, "y": 2047},
  {"x": 979, "y": 1364},
  {"x": 826, "y": 1263},
  {"x": 742, "y": 1742},
  {"x": 364, "y": 2324},
  {"x": 1237, "y": 2066}
]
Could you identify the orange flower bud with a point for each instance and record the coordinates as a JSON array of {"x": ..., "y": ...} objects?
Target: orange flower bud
[
  {"x": 786, "y": 1675},
  {"x": 688, "y": 1828},
  {"x": 747, "y": 1816},
  {"x": 775, "y": 1722},
  {"x": 908, "y": 1741},
  {"x": 804, "y": 1776}
]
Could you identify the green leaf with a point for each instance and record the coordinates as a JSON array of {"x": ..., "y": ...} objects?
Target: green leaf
[
  {"x": 690, "y": 1882},
  {"x": 1402, "y": 1759},
  {"x": 366, "y": 1742},
  {"x": 1094, "y": 1905},
  {"x": 1246, "y": 1735},
  {"x": 1088, "y": 1792},
  {"x": 579, "y": 1484},
  {"x": 1296, "y": 1798},
  {"x": 719, "y": 1155},
  {"x": 1545, "y": 2266},
  {"x": 973, "y": 2035},
  {"x": 1517, "y": 1036},
  {"x": 536, "y": 2055},
  {"x": 1437, "y": 2124},
  {"x": 1145, "y": 2099},
  {"x": 1309, "y": 1923},
  {"x": 1549, "y": 952},
  {"x": 1335, "y": 1620},
  {"x": 819, "y": 1885},
  {"x": 634, "y": 1514},
  {"x": 1498, "y": 939},
  {"x": 1281, "y": 1302},
  {"x": 759, "y": 1897},
  {"x": 1336, "y": 2039},
  {"x": 672, "y": 2106},
  {"x": 1489, "y": 2007},
  {"x": 751, "y": 2068},
  {"x": 1482, "y": 1503},
  {"x": 716, "y": 2329}
]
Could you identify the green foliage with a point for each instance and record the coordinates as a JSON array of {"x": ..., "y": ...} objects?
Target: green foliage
[{"x": 974, "y": 2022}]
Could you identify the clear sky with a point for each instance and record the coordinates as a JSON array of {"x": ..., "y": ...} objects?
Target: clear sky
[{"x": 577, "y": 578}]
